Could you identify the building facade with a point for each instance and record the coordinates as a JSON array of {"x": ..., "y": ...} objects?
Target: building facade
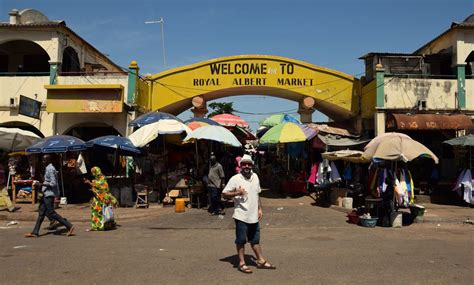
[
  {"x": 428, "y": 94},
  {"x": 52, "y": 81}
]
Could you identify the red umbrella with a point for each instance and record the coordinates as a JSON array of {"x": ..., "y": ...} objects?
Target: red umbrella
[{"x": 230, "y": 120}]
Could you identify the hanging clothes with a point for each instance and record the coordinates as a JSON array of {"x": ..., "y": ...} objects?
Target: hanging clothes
[
  {"x": 334, "y": 175},
  {"x": 313, "y": 173},
  {"x": 464, "y": 186}
]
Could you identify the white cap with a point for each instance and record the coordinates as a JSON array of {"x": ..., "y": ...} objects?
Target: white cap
[{"x": 246, "y": 158}]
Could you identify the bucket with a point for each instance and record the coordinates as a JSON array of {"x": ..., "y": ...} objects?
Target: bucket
[
  {"x": 396, "y": 219},
  {"x": 417, "y": 212},
  {"x": 63, "y": 201},
  {"x": 179, "y": 205},
  {"x": 347, "y": 202}
]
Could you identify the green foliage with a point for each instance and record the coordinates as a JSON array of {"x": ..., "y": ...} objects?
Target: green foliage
[{"x": 221, "y": 108}]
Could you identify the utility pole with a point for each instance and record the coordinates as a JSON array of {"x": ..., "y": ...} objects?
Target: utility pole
[{"x": 161, "y": 22}]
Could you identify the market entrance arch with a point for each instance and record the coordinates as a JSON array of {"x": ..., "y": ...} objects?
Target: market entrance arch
[{"x": 315, "y": 88}]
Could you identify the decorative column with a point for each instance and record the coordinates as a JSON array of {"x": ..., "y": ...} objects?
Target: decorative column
[
  {"x": 306, "y": 110},
  {"x": 53, "y": 73},
  {"x": 379, "y": 84},
  {"x": 461, "y": 77},
  {"x": 132, "y": 82},
  {"x": 380, "y": 115},
  {"x": 200, "y": 109}
]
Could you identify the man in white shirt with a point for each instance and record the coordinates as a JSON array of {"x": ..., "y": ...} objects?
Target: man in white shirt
[{"x": 244, "y": 189}]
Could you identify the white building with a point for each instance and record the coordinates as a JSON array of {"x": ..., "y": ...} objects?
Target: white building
[
  {"x": 79, "y": 91},
  {"x": 428, "y": 94}
]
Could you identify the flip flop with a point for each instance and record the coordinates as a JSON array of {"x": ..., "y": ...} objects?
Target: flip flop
[
  {"x": 265, "y": 265},
  {"x": 69, "y": 233},
  {"x": 31, "y": 235},
  {"x": 245, "y": 269}
]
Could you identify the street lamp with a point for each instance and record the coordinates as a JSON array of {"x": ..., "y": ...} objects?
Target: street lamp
[{"x": 161, "y": 22}]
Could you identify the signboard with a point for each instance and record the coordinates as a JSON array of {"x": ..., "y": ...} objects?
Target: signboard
[
  {"x": 252, "y": 74},
  {"x": 93, "y": 98},
  {"x": 29, "y": 107}
]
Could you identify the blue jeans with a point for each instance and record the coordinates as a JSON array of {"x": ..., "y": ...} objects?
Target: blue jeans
[
  {"x": 246, "y": 233},
  {"x": 46, "y": 208},
  {"x": 215, "y": 195}
]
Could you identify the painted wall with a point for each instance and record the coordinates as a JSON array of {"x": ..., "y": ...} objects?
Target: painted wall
[
  {"x": 470, "y": 94},
  {"x": 96, "y": 79},
  {"x": 368, "y": 100},
  {"x": 465, "y": 45},
  {"x": 47, "y": 39},
  {"x": 403, "y": 93},
  {"x": 66, "y": 121},
  {"x": 14, "y": 86},
  {"x": 173, "y": 90}
]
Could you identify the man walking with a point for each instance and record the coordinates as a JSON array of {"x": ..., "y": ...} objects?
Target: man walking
[
  {"x": 244, "y": 188},
  {"x": 49, "y": 188},
  {"x": 214, "y": 187}
]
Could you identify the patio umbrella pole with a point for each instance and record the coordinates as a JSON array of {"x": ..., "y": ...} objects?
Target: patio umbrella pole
[
  {"x": 197, "y": 154},
  {"x": 61, "y": 172}
]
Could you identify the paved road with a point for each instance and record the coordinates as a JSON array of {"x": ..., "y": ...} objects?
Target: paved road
[{"x": 309, "y": 245}]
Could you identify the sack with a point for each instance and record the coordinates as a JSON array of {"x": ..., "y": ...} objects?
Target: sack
[{"x": 108, "y": 213}]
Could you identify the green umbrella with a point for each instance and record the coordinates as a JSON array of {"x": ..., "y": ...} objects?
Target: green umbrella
[
  {"x": 467, "y": 140},
  {"x": 288, "y": 132},
  {"x": 274, "y": 120}
]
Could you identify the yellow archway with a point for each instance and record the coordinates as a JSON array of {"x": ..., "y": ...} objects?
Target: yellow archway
[{"x": 331, "y": 92}]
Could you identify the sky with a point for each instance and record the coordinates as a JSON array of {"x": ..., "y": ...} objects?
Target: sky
[{"x": 327, "y": 33}]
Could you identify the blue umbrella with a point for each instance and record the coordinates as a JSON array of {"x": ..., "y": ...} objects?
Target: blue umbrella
[
  {"x": 152, "y": 117},
  {"x": 58, "y": 143},
  {"x": 115, "y": 143},
  {"x": 55, "y": 144},
  {"x": 203, "y": 120}
]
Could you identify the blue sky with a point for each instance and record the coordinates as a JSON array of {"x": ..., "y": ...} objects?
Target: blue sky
[{"x": 329, "y": 33}]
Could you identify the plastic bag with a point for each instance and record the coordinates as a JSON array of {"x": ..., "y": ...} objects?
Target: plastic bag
[{"x": 108, "y": 213}]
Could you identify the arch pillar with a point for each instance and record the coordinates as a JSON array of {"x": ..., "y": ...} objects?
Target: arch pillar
[
  {"x": 200, "y": 107},
  {"x": 306, "y": 110}
]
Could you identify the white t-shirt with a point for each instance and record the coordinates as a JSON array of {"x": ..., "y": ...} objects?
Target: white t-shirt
[{"x": 245, "y": 207}]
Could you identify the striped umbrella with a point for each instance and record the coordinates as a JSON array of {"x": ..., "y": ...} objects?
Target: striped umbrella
[
  {"x": 288, "y": 132},
  {"x": 195, "y": 123},
  {"x": 230, "y": 120},
  {"x": 274, "y": 120}
]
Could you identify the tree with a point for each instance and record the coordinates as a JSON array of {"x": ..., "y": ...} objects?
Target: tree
[{"x": 221, "y": 108}]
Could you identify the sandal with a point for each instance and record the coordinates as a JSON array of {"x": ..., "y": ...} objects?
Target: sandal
[
  {"x": 31, "y": 235},
  {"x": 245, "y": 269},
  {"x": 70, "y": 231},
  {"x": 265, "y": 265}
]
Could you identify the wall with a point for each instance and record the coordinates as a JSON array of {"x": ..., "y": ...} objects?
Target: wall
[
  {"x": 94, "y": 80},
  {"x": 368, "y": 100},
  {"x": 65, "y": 121},
  {"x": 403, "y": 93},
  {"x": 465, "y": 46},
  {"x": 47, "y": 39},
  {"x": 469, "y": 94}
]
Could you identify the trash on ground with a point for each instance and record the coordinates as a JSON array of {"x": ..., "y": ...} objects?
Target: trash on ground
[
  {"x": 280, "y": 208},
  {"x": 19, "y": 246},
  {"x": 12, "y": 223},
  {"x": 469, "y": 221}
]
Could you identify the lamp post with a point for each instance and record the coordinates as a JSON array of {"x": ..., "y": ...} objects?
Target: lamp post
[{"x": 161, "y": 22}]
